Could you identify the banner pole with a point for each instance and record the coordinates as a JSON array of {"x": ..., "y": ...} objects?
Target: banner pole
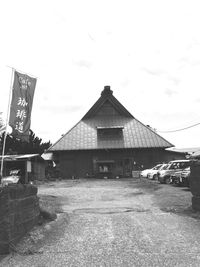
[
  {"x": 7, "y": 119},
  {"x": 25, "y": 73}
]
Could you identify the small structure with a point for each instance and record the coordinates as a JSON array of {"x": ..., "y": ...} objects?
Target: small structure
[
  {"x": 108, "y": 142},
  {"x": 175, "y": 154},
  {"x": 32, "y": 166},
  {"x": 187, "y": 152},
  {"x": 51, "y": 170},
  {"x": 195, "y": 155}
]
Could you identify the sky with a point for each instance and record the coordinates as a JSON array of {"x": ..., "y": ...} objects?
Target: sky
[{"x": 147, "y": 51}]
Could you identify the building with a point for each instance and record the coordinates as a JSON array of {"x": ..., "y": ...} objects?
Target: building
[
  {"x": 31, "y": 166},
  {"x": 108, "y": 142}
]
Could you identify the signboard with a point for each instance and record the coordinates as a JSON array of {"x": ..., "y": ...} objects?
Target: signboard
[{"x": 21, "y": 105}]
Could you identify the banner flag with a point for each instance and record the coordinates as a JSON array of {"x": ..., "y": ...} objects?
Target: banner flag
[{"x": 21, "y": 105}]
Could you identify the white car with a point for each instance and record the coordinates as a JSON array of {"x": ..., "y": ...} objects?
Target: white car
[
  {"x": 13, "y": 178},
  {"x": 145, "y": 172},
  {"x": 153, "y": 174}
]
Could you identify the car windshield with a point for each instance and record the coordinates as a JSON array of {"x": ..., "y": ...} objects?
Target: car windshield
[
  {"x": 157, "y": 167},
  {"x": 164, "y": 167}
]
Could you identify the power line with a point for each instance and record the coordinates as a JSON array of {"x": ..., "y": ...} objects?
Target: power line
[{"x": 178, "y": 130}]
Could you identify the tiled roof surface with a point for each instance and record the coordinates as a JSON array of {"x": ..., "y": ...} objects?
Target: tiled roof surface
[{"x": 83, "y": 136}]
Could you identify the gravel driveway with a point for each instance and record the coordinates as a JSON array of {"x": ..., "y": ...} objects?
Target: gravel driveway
[{"x": 116, "y": 223}]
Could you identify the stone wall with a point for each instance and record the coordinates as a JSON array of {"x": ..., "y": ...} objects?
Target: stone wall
[
  {"x": 195, "y": 185},
  {"x": 19, "y": 212}
]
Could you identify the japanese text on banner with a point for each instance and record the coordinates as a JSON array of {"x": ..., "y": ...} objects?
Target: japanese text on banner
[{"x": 21, "y": 105}]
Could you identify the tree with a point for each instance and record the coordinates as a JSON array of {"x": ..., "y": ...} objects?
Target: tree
[
  {"x": 2, "y": 125},
  {"x": 16, "y": 146}
]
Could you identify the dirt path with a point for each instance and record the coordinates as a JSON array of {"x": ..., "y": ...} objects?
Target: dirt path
[{"x": 115, "y": 223}]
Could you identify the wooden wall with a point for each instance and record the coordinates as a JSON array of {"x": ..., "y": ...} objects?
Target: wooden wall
[{"x": 85, "y": 163}]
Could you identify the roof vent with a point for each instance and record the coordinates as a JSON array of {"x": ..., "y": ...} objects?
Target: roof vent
[{"x": 106, "y": 91}]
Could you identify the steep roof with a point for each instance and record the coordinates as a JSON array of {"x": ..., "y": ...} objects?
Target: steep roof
[
  {"x": 107, "y": 96},
  {"x": 109, "y": 113}
]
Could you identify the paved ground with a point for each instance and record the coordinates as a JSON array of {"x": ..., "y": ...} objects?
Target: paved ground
[{"x": 116, "y": 223}]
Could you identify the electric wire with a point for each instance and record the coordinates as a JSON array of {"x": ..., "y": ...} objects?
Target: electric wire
[{"x": 178, "y": 130}]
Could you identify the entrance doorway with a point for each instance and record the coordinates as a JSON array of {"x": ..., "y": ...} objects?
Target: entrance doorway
[{"x": 105, "y": 169}]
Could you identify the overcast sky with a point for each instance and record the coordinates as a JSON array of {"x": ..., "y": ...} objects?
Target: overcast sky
[{"x": 147, "y": 51}]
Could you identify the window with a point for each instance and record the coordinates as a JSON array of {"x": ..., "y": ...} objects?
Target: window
[
  {"x": 179, "y": 165},
  {"x": 109, "y": 133}
]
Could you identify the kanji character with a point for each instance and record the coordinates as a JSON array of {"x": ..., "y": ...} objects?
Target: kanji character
[
  {"x": 22, "y": 102},
  {"x": 19, "y": 126},
  {"x": 21, "y": 114}
]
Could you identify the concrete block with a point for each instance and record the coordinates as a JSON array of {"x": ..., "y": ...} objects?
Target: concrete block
[
  {"x": 196, "y": 203},
  {"x": 19, "y": 212}
]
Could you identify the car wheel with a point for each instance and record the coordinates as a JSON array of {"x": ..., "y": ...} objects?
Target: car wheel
[
  {"x": 155, "y": 177},
  {"x": 167, "y": 180}
]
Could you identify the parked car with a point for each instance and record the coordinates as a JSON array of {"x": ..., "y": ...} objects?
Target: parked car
[
  {"x": 164, "y": 176},
  {"x": 153, "y": 174},
  {"x": 145, "y": 172},
  {"x": 181, "y": 177}
]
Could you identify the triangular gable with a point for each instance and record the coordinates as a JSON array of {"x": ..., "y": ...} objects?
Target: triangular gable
[
  {"x": 107, "y": 103},
  {"x": 107, "y": 109}
]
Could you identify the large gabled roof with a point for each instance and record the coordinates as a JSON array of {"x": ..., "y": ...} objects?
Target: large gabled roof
[{"x": 108, "y": 112}]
